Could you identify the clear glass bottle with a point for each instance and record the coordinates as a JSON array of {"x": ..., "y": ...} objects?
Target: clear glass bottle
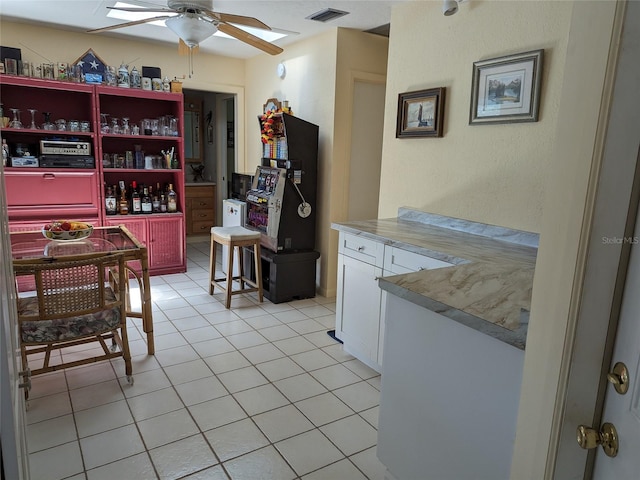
[
  {"x": 123, "y": 204},
  {"x": 172, "y": 200},
  {"x": 111, "y": 204},
  {"x": 5, "y": 152},
  {"x": 147, "y": 207}
]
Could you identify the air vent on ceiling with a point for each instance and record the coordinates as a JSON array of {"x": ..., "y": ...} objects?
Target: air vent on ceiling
[{"x": 327, "y": 15}]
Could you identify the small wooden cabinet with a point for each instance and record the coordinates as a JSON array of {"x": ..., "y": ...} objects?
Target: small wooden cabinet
[{"x": 201, "y": 208}]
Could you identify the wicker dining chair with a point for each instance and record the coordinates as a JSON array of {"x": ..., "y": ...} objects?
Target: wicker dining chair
[{"x": 78, "y": 299}]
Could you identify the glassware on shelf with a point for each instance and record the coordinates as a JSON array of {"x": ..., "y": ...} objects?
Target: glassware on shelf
[
  {"x": 155, "y": 126},
  {"x": 15, "y": 123},
  {"x": 173, "y": 126},
  {"x": 85, "y": 126},
  {"x": 73, "y": 126},
  {"x": 135, "y": 129},
  {"x": 115, "y": 128},
  {"x": 61, "y": 125},
  {"x": 145, "y": 126},
  {"x": 126, "y": 129},
  {"x": 48, "y": 124},
  {"x": 33, "y": 125},
  {"x": 104, "y": 123}
]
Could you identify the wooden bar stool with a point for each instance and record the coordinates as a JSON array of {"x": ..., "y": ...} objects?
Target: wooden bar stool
[{"x": 235, "y": 238}]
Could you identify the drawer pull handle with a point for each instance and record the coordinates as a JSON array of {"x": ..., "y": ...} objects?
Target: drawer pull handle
[
  {"x": 202, "y": 215},
  {"x": 202, "y": 203},
  {"x": 361, "y": 249},
  {"x": 49, "y": 176}
]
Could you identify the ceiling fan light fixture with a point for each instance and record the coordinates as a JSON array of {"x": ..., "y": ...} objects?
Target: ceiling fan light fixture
[{"x": 191, "y": 28}]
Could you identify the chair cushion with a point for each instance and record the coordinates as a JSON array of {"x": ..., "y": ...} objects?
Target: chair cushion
[
  {"x": 237, "y": 233},
  {"x": 43, "y": 331}
]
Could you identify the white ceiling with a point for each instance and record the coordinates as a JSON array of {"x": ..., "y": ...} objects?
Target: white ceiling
[{"x": 82, "y": 15}]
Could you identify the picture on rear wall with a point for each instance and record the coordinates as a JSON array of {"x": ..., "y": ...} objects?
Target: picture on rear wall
[
  {"x": 506, "y": 89},
  {"x": 420, "y": 113}
]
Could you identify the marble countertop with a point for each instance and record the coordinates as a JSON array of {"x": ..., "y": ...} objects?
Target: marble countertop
[
  {"x": 198, "y": 184},
  {"x": 489, "y": 286}
]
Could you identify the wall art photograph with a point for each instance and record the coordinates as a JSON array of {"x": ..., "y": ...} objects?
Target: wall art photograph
[
  {"x": 421, "y": 113},
  {"x": 506, "y": 89}
]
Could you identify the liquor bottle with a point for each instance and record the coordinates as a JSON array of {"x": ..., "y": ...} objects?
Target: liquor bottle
[
  {"x": 111, "y": 204},
  {"x": 123, "y": 204},
  {"x": 136, "y": 201},
  {"x": 172, "y": 200},
  {"x": 5, "y": 152},
  {"x": 146, "y": 201},
  {"x": 155, "y": 201},
  {"x": 163, "y": 203}
]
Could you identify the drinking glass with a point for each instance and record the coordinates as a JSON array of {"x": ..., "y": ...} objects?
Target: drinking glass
[
  {"x": 47, "y": 125},
  {"x": 173, "y": 126},
  {"x": 33, "y": 125},
  {"x": 61, "y": 125},
  {"x": 126, "y": 129},
  {"x": 115, "y": 128},
  {"x": 15, "y": 123},
  {"x": 104, "y": 123}
]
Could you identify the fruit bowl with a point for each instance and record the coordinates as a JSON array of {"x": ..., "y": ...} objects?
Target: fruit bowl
[{"x": 65, "y": 230}]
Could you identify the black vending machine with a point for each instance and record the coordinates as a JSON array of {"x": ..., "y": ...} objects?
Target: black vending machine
[{"x": 281, "y": 204}]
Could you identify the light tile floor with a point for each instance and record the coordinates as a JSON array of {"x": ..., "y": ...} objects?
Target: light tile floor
[{"x": 257, "y": 392}]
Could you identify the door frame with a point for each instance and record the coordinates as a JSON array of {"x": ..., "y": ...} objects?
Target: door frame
[{"x": 611, "y": 206}]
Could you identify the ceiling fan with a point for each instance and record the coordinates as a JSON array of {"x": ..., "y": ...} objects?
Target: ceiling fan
[{"x": 196, "y": 21}]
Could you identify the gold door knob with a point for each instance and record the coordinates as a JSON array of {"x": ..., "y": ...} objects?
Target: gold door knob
[
  {"x": 589, "y": 438},
  {"x": 619, "y": 377}
]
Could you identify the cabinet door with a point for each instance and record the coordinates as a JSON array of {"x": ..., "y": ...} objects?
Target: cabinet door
[
  {"x": 137, "y": 226},
  {"x": 52, "y": 193},
  {"x": 166, "y": 250},
  {"x": 358, "y": 309}
]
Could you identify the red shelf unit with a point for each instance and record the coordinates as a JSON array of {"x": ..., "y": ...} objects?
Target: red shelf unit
[{"x": 35, "y": 195}]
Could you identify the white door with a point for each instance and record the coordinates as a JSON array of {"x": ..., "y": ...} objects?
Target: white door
[
  {"x": 623, "y": 411},
  {"x": 12, "y": 434}
]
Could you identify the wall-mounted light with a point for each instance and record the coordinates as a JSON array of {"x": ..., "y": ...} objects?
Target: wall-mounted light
[{"x": 449, "y": 7}]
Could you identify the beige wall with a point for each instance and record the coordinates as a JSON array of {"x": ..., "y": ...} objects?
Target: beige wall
[
  {"x": 317, "y": 85},
  {"x": 212, "y": 73},
  {"x": 527, "y": 176},
  {"x": 489, "y": 173}
]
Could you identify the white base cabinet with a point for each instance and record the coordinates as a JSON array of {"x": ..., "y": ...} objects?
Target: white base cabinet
[
  {"x": 449, "y": 398},
  {"x": 360, "y": 303}
]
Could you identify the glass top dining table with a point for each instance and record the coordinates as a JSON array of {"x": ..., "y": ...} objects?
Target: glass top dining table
[{"x": 32, "y": 244}]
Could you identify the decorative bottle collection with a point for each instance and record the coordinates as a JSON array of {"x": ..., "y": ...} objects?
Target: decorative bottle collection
[{"x": 137, "y": 200}]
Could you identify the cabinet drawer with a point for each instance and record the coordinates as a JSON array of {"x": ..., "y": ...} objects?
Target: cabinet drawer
[
  {"x": 200, "y": 203},
  {"x": 363, "y": 249},
  {"x": 199, "y": 191},
  {"x": 398, "y": 261},
  {"x": 201, "y": 227},
  {"x": 201, "y": 215}
]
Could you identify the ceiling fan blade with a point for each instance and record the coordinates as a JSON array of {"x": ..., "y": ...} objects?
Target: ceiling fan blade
[
  {"x": 239, "y": 19},
  {"x": 143, "y": 10},
  {"x": 128, "y": 24},
  {"x": 252, "y": 40}
]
